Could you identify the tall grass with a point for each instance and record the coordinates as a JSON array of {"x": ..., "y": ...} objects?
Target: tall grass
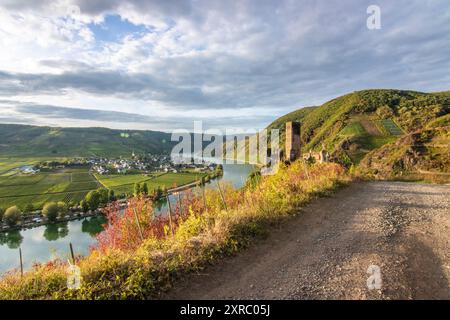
[{"x": 139, "y": 255}]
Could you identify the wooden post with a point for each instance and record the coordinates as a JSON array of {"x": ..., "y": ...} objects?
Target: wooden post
[
  {"x": 71, "y": 253},
  {"x": 170, "y": 214},
  {"x": 21, "y": 262},
  {"x": 221, "y": 195},
  {"x": 138, "y": 224},
  {"x": 204, "y": 199},
  {"x": 179, "y": 201}
]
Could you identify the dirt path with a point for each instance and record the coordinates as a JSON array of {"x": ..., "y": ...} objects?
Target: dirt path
[{"x": 325, "y": 251}]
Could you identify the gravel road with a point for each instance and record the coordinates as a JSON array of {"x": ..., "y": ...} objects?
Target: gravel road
[{"x": 325, "y": 251}]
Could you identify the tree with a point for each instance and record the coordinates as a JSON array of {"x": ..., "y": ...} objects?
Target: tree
[
  {"x": 84, "y": 206},
  {"x": 62, "y": 209},
  {"x": 50, "y": 211},
  {"x": 12, "y": 216},
  {"x": 93, "y": 199},
  {"x": 103, "y": 196},
  {"x": 2, "y": 212},
  {"x": 137, "y": 189},
  {"x": 385, "y": 112},
  {"x": 145, "y": 188},
  {"x": 111, "y": 195}
]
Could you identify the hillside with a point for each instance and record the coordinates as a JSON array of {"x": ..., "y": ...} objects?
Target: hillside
[
  {"x": 353, "y": 125},
  {"x": 23, "y": 140}
]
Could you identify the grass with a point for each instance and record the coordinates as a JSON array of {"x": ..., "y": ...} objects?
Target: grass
[
  {"x": 7, "y": 165},
  {"x": 353, "y": 129},
  {"x": 125, "y": 267}
]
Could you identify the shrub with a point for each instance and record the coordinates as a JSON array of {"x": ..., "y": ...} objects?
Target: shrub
[
  {"x": 50, "y": 211},
  {"x": 111, "y": 195},
  {"x": 84, "y": 206},
  {"x": 62, "y": 209},
  {"x": 93, "y": 199},
  {"x": 385, "y": 112},
  {"x": 12, "y": 216}
]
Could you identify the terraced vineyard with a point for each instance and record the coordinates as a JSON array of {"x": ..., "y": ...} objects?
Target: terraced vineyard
[
  {"x": 391, "y": 127},
  {"x": 69, "y": 185}
]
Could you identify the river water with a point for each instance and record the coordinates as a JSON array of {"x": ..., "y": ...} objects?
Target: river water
[{"x": 45, "y": 243}]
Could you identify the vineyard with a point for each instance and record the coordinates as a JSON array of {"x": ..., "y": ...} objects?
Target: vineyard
[{"x": 68, "y": 185}]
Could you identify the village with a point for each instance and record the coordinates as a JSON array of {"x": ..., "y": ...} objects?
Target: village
[{"x": 145, "y": 164}]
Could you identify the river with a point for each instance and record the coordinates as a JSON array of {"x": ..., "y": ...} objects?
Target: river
[{"x": 45, "y": 243}]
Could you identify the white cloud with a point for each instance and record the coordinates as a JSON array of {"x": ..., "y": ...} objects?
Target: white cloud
[{"x": 212, "y": 58}]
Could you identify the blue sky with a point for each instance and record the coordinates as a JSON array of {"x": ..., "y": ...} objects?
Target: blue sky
[
  {"x": 113, "y": 29},
  {"x": 233, "y": 64}
]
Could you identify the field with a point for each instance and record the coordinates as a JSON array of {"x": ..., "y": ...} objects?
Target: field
[
  {"x": 352, "y": 129},
  {"x": 123, "y": 184},
  {"x": 72, "y": 184},
  {"x": 391, "y": 127},
  {"x": 69, "y": 185},
  {"x": 7, "y": 165}
]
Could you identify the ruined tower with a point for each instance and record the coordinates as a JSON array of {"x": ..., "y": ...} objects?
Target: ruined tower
[{"x": 293, "y": 144}]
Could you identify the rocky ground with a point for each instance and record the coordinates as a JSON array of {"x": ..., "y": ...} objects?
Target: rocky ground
[{"x": 326, "y": 250}]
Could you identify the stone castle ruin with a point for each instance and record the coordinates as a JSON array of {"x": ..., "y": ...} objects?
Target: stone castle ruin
[{"x": 293, "y": 145}]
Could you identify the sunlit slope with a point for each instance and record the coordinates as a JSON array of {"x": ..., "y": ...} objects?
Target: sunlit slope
[{"x": 352, "y": 125}]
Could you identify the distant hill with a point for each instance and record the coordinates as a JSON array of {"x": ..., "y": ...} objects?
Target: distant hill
[
  {"x": 354, "y": 125},
  {"x": 24, "y": 140}
]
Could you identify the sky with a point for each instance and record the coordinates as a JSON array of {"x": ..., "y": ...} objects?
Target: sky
[{"x": 161, "y": 65}]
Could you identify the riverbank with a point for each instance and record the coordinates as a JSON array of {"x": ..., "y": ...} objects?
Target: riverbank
[{"x": 36, "y": 219}]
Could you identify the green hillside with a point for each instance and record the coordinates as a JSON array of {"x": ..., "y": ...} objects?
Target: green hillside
[
  {"x": 353, "y": 125},
  {"x": 33, "y": 141}
]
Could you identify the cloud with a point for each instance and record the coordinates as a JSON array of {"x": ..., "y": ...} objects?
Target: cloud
[
  {"x": 49, "y": 115},
  {"x": 260, "y": 59}
]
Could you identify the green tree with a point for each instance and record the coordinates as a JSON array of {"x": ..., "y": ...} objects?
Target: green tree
[
  {"x": 12, "y": 215},
  {"x": 111, "y": 195},
  {"x": 84, "y": 206},
  {"x": 137, "y": 189},
  {"x": 62, "y": 209},
  {"x": 50, "y": 211},
  {"x": 93, "y": 199},
  {"x": 144, "y": 188},
  {"x": 103, "y": 196}
]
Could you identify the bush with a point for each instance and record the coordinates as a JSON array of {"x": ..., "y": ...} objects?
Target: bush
[
  {"x": 12, "y": 216},
  {"x": 385, "y": 112},
  {"x": 103, "y": 197},
  {"x": 84, "y": 206},
  {"x": 111, "y": 195},
  {"x": 50, "y": 211},
  {"x": 93, "y": 199},
  {"x": 62, "y": 209}
]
